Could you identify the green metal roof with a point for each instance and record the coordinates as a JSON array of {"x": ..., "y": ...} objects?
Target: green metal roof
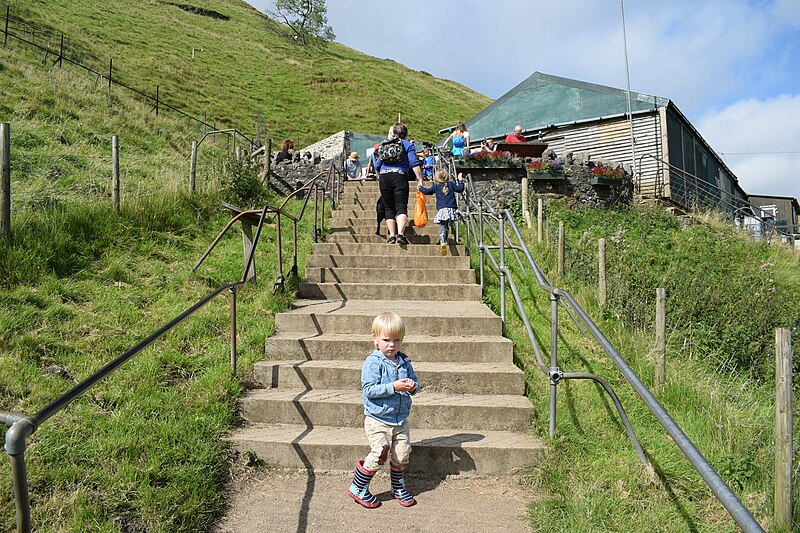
[{"x": 543, "y": 100}]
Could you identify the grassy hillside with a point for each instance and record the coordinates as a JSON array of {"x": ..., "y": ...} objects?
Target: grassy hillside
[
  {"x": 725, "y": 296},
  {"x": 246, "y": 71}
]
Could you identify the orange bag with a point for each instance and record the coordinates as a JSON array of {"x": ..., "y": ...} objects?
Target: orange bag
[{"x": 420, "y": 211}]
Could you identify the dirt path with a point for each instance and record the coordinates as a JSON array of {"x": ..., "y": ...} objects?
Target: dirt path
[{"x": 295, "y": 502}]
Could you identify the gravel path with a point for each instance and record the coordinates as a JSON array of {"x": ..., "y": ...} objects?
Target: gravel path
[{"x": 299, "y": 503}]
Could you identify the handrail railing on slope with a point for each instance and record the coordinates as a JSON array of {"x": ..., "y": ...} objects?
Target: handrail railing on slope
[
  {"x": 474, "y": 209},
  {"x": 706, "y": 194},
  {"x": 311, "y": 186},
  {"x": 21, "y": 426}
]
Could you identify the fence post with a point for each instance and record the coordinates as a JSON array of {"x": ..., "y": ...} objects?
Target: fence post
[
  {"x": 157, "y": 100},
  {"x": 61, "y": 52},
  {"x": 602, "y": 289},
  {"x": 561, "y": 248},
  {"x": 5, "y": 41},
  {"x": 5, "y": 180},
  {"x": 110, "y": 66},
  {"x": 193, "y": 169},
  {"x": 661, "y": 337},
  {"x": 115, "y": 173},
  {"x": 783, "y": 428},
  {"x": 539, "y": 219},
  {"x": 268, "y": 158},
  {"x": 525, "y": 212}
]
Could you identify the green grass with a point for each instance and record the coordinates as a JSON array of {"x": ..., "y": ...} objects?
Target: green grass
[
  {"x": 248, "y": 72},
  {"x": 592, "y": 479},
  {"x": 143, "y": 447}
]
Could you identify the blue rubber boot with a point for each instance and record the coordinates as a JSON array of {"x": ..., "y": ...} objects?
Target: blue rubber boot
[
  {"x": 399, "y": 486},
  {"x": 359, "y": 489}
]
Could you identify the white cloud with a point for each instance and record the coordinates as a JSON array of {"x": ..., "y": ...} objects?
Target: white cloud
[{"x": 760, "y": 141}]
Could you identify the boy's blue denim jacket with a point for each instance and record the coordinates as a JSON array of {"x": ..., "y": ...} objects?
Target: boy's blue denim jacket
[{"x": 381, "y": 401}]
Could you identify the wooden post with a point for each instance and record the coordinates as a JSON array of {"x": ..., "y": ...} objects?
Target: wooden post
[
  {"x": 115, "y": 173},
  {"x": 783, "y": 429},
  {"x": 110, "y": 67},
  {"x": 5, "y": 180},
  {"x": 247, "y": 246},
  {"x": 602, "y": 289},
  {"x": 561, "y": 248},
  {"x": 193, "y": 169},
  {"x": 661, "y": 337},
  {"x": 157, "y": 98},
  {"x": 539, "y": 219},
  {"x": 525, "y": 212},
  {"x": 61, "y": 52}
]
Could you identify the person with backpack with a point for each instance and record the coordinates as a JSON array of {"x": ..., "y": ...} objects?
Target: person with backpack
[{"x": 396, "y": 164}]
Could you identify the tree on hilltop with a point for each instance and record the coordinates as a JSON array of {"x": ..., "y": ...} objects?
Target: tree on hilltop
[{"x": 308, "y": 19}]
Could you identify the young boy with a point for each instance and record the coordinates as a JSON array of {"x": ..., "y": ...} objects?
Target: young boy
[{"x": 387, "y": 383}]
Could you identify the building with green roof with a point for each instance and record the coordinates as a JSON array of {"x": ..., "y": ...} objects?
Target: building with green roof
[{"x": 672, "y": 160}]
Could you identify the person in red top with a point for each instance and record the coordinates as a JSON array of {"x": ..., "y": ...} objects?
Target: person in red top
[{"x": 517, "y": 136}]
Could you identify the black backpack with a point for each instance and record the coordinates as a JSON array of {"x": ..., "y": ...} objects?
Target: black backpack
[{"x": 391, "y": 151}]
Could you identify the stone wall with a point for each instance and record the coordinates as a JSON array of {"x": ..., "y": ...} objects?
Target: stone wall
[{"x": 501, "y": 186}]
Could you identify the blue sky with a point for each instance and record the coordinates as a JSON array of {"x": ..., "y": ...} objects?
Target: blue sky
[{"x": 731, "y": 66}]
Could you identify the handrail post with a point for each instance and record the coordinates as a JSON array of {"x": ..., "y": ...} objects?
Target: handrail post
[
  {"x": 22, "y": 501},
  {"x": 554, "y": 372},
  {"x": 234, "y": 356},
  {"x": 316, "y": 203},
  {"x": 469, "y": 236},
  {"x": 502, "y": 272},
  {"x": 280, "y": 245},
  {"x": 480, "y": 241},
  {"x": 294, "y": 248}
]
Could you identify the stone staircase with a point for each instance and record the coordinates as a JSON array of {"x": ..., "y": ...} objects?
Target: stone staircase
[{"x": 471, "y": 415}]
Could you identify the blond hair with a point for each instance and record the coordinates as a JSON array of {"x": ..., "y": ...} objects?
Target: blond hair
[
  {"x": 389, "y": 322},
  {"x": 442, "y": 176}
]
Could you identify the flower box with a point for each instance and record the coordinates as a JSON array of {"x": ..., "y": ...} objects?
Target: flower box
[
  {"x": 544, "y": 176},
  {"x": 604, "y": 180}
]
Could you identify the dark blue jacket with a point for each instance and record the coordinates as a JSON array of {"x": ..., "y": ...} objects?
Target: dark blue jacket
[{"x": 444, "y": 200}]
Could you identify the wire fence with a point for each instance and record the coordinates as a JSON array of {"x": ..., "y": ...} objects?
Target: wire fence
[{"x": 58, "y": 50}]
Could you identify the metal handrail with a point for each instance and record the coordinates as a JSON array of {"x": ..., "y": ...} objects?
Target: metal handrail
[
  {"x": 474, "y": 209},
  {"x": 21, "y": 426}
]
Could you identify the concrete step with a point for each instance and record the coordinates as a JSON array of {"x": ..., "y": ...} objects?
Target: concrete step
[
  {"x": 362, "y": 249},
  {"x": 422, "y": 348},
  {"x": 390, "y": 291},
  {"x": 346, "y": 409},
  {"x": 420, "y": 316},
  {"x": 397, "y": 275},
  {"x": 389, "y": 262},
  {"x": 455, "y": 378},
  {"x": 370, "y": 213},
  {"x": 435, "y": 451},
  {"x": 378, "y": 239},
  {"x": 367, "y": 227}
]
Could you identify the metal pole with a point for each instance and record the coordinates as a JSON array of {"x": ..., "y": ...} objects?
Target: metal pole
[
  {"x": 480, "y": 240},
  {"x": 280, "y": 245},
  {"x": 5, "y": 41},
  {"x": 233, "y": 330},
  {"x": 157, "y": 97},
  {"x": 115, "y": 173},
  {"x": 294, "y": 247},
  {"x": 193, "y": 169},
  {"x": 502, "y": 272},
  {"x": 5, "y": 180},
  {"x": 553, "y": 361},
  {"x": 783, "y": 429},
  {"x": 61, "y": 53},
  {"x": 22, "y": 501},
  {"x": 110, "y": 67}
]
